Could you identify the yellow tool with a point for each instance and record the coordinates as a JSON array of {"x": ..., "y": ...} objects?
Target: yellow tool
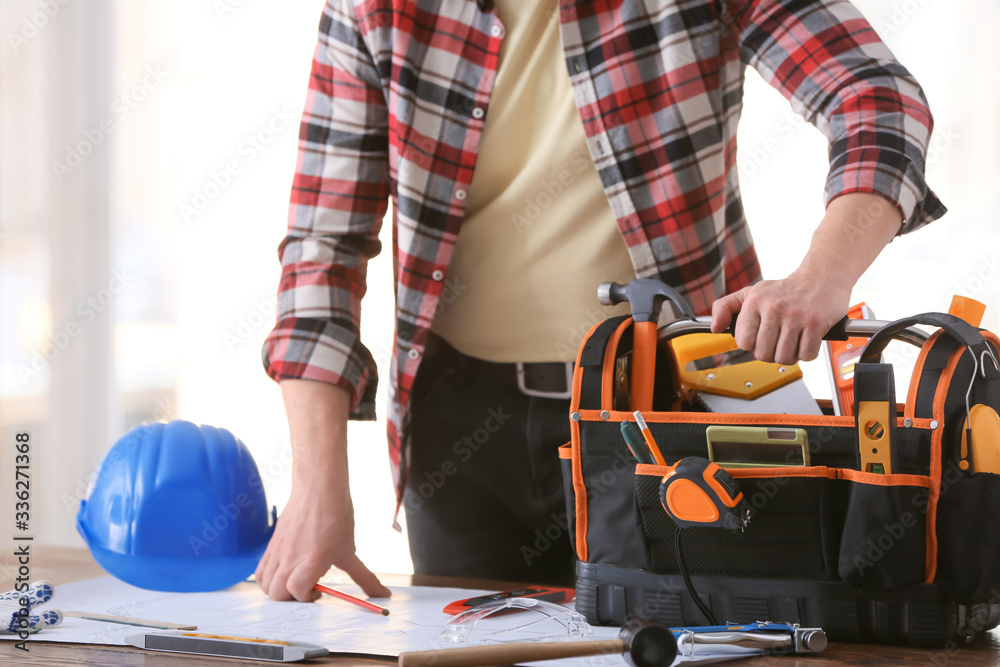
[
  {"x": 714, "y": 372},
  {"x": 984, "y": 425},
  {"x": 982, "y": 422},
  {"x": 967, "y": 309},
  {"x": 875, "y": 415}
]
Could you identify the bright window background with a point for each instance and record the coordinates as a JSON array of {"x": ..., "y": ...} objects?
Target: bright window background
[{"x": 170, "y": 224}]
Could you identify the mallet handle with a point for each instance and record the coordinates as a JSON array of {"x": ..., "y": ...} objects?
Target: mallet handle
[{"x": 509, "y": 654}]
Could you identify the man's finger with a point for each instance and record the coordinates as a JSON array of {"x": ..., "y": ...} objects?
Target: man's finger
[
  {"x": 265, "y": 570},
  {"x": 278, "y": 586},
  {"x": 809, "y": 343},
  {"x": 787, "y": 349},
  {"x": 723, "y": 310},
  {"x": 259, "y": 573},
  {"x": 365, "y": 578},
  {"x": 746, "y": 329},
  {"x": 721, "y": 315},
  {"x": 302, "y": 580},
  {"x": 766, "y": 337}
]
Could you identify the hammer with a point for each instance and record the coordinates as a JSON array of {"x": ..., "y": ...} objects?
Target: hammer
[
  {"x": 645, "y": 297},
  {"x": 642, "y": 644}
]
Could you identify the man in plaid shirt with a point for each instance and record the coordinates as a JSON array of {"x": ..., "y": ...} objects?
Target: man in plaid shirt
[{"x": 532, "y": 150}]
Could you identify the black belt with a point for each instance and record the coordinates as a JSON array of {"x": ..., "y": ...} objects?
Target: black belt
[{"x": 541, "y": 380}]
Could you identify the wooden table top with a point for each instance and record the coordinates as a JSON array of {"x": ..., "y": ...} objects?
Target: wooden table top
[{"x": 62, "y": 565}]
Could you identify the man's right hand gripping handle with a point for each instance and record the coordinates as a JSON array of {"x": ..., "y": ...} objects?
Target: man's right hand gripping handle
[{"x": 316, "y": 528}]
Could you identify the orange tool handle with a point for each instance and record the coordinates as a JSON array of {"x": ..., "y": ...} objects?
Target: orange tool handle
[{"x": 643, "y": 365}]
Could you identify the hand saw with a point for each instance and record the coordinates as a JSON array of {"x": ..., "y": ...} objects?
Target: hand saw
[{"x": 715, "y": 373}]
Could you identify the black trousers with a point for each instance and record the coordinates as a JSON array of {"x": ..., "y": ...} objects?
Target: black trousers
[{"x": 484, "y": 495}]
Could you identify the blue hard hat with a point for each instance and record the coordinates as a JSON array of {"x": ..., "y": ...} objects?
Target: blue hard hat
[{"x": 177, "y": 507}]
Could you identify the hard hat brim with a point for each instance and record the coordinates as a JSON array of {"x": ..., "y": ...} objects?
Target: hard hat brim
[{"x": 172, "y": 574}]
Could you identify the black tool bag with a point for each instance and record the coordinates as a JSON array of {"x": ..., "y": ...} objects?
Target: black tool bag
[{"x": 911, "y": 557}]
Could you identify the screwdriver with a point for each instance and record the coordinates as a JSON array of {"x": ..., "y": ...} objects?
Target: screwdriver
[{"x": 636, "y": 443}]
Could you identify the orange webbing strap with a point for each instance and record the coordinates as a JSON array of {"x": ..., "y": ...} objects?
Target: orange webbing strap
[
  {"x": 579, "y": 490},
  {"x": 937, "y": 453},
  {"x": 875, "y": 479}
]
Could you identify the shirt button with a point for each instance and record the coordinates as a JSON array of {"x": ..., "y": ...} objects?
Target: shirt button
[
  {"x": 477, "y": 113},
  {"x": 438, "y": 275},
  {"x": 459, "y": 194},
  {"x": 413, "y": 354},
  {"x": 496, "y": 31}
]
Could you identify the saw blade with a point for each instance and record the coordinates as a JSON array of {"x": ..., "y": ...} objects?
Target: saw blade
[{"x": 792, "y": 399}]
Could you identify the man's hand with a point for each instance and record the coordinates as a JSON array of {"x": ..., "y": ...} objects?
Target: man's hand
[
  {"x": 782, "y": 320},
  {"x": 316, "y": 528},
  {"x": 785, "y": 320}
]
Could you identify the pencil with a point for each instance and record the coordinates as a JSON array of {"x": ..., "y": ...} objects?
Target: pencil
[
  {"x": 350, "y": 598},
  {"x": 647, "y": 435},
  {"x": 128, "y": 620}
]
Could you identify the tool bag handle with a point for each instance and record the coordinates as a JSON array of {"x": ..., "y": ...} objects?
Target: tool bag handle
[
  {"x": 986, "y": 364},
  {"x": 842, "y": 330},
  {"x": 837, "y": 332},
  {"x": 959, "y": 329}
]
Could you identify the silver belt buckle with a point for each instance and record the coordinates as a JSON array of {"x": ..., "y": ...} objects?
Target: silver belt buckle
[{"x": 522, "y": 386}]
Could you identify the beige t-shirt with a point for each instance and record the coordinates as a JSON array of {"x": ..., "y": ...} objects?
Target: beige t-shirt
[{"x": 538, "y": 235}]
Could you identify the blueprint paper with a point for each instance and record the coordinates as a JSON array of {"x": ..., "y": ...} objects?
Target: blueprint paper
[{"x": 414, "y": 624}]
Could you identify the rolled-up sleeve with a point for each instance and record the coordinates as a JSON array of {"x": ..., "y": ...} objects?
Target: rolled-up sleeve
[
  {"x": 826, "y": 59},
  {"x": 339, "y": 198}
]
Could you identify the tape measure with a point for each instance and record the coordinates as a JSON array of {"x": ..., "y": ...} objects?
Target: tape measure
[{"x": 697, "y": 493}]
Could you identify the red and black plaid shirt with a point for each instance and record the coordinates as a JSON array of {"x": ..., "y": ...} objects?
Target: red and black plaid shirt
[{"x": 396, "y": 105}]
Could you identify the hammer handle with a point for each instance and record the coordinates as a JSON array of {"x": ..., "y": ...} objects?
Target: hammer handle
[
  {"x": 643, "y": 365},
  {"x": 509, "y": 654}
]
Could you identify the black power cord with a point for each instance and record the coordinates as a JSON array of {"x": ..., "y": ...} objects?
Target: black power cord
[{"x": 687, "y": 579}]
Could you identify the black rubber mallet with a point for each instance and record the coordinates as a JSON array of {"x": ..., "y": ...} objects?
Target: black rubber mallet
[{"x": 641, "y": 644}]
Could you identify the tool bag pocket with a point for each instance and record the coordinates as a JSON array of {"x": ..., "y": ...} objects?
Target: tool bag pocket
[
  {"x": 968, "y": 564},
  {"x": 822, "y": 522},
  {"x": 608, "y": 525},
  {"x": 794, "y": 532},
  {"x": 884, "y": 543}
]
